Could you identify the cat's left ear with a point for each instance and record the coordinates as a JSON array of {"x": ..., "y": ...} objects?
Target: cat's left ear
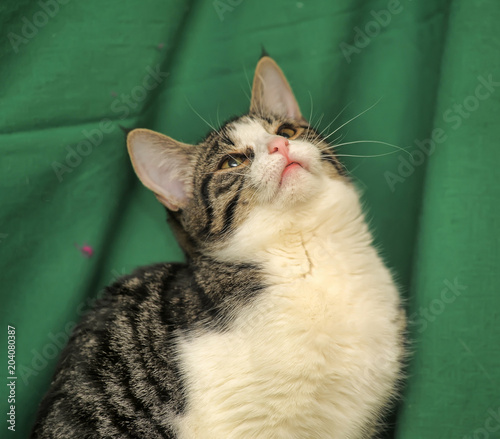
[
  {"x": 163, "y": 165},
  {"x": 271, "y": 92}
]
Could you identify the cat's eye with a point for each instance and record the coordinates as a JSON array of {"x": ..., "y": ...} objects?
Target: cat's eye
[
  {"x": 286, "y": 131},
  {"x": 233, "y": 161}
]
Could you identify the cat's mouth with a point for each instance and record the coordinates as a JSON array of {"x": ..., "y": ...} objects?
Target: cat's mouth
[
  {"x": 289, "y": 168},
  {"x": 291, "y": 164}
]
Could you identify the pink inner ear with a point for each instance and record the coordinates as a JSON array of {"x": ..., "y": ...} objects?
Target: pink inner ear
[
  {"x": 177, "y": 189},
  {"x": 163, "y": 165},
  {"x": 276, "y": 95},
  {"x": 168, "y": 176}
]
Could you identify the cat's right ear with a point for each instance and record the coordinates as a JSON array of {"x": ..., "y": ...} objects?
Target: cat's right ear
[{"x": 163, "y": 165}]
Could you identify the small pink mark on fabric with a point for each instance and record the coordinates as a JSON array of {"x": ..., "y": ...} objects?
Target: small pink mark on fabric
[
  {"x": 114, "y": 94},
  {"x": 160, "y": 46},
  {"x": 86, "y": 250}
]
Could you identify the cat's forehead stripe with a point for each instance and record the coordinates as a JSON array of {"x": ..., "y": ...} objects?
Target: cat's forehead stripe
[{"x": 222, "y": 135}]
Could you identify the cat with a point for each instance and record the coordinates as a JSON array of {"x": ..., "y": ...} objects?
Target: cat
[{"x": 283, "y": 322}]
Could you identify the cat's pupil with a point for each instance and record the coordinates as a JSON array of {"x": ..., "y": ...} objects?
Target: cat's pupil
[{"x": 232, "y": 163}]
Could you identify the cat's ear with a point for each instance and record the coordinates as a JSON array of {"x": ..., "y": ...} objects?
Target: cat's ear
[
  {"x": 163, "y": 165},
  {"x": 271, "y": 92}
]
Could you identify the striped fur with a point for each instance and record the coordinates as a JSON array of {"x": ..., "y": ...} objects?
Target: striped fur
[{"x": 283, "y": 322}]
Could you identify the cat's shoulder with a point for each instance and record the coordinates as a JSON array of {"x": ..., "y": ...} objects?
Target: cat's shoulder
[
  {"x": 146, "y": 287},
  {"x": 154, "y": 278}
]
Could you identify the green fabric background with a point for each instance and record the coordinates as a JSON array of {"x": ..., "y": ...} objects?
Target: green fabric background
[{"x": 434, "y": 215}]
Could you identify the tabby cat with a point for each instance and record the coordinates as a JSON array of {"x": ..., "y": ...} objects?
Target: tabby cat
[{"x": 283, "y": 322}]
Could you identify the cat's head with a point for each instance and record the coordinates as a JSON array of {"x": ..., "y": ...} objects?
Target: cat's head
[{"x": 269, "y": 160}]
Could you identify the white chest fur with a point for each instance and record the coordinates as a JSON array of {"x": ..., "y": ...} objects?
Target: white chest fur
[{"x": 316, "y": 356}]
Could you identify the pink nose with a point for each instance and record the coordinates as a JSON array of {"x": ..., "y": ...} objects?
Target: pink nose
[{"x": 278, "y": 144}]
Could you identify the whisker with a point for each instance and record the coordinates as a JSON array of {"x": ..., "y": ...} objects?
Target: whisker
[
  {"x": 336, "y": 117},
  {"x": 313, "y": 138},
  {"x": 356, "y": 167},
  {"x": 374, "y": 155},
  {"x": 371, "y": 141},
  {"x": 217, "y": 114},
  {"x": 200, "y": 116},
  {"x": 246, "y": 94},
  {"x": 342, "y": 136},
  {"x": 232, "y": 173},
  {"x": 318, "y": 123},
  {"x": 311, "y": 100},
  {"x": 248, "y": 83},
  {"x": 309, "y": 136},
  {"x": 355, "y": 117}
]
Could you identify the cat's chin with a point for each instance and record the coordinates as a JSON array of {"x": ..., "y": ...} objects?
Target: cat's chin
[
  {"x": 290, "y": 171},
  {"x": 296, "y": 186}
]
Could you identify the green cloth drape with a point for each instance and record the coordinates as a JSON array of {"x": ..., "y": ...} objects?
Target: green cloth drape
[{"x": 72, "y": 72}]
